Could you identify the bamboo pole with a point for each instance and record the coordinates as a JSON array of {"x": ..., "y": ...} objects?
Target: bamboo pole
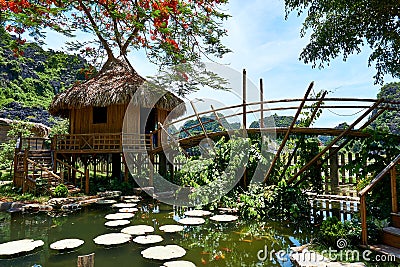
[
  {"x": 312, "y": 117},
  {"x": 244, "y": 98},
  {"x": 288, "y": 132},
  {"x": 261, "y": 104}
]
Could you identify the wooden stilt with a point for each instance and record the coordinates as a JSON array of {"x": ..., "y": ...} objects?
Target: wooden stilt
[{"x": 86, "y": 180}]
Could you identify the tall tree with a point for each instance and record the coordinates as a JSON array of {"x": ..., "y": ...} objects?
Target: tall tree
[
  {"x": 342, "y": 27},
  {"x": 170, "y": 31}
]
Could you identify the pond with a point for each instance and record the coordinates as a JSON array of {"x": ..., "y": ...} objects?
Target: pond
[{"x": 211, "y": 244}]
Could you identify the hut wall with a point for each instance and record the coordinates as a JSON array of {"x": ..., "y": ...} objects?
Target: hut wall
[
  {"x": 132, "y": 119},
  {"x": 81, "y": 120}
]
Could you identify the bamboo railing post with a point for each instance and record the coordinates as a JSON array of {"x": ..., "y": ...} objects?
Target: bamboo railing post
[
  {"x": 334, "y": 169},
  {"x": 244, "y": 99},
  {"x": 393, "y": 181},
  {"x": 261, "y": 104}
]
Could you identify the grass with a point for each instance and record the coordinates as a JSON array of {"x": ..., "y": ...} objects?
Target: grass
[{"x": 8, "y": 193}]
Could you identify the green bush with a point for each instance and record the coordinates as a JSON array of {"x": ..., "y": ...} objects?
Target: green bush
[
  {"x": 60, "y": 191},
  {"x": 332, "y": 230}
]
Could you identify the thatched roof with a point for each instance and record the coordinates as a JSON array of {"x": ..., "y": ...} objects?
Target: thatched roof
[{"x": 116, "y": 83}]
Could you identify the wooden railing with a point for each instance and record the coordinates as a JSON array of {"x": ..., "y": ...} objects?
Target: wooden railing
[
  {"x": 391, "y": 168},
  {"x": 43, "y": 169},
  {"x": 101, "y": 142},
  {"x": 35, "y": 143}
]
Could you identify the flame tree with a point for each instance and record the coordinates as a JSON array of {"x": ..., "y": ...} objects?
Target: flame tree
[{"x": 170, "y": 31}]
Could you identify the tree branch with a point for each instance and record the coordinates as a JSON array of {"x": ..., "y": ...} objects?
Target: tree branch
[{"x": 96, "y": 30}]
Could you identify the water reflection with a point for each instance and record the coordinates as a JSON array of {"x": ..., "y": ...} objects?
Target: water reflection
[{"x": 213, "y": 244}]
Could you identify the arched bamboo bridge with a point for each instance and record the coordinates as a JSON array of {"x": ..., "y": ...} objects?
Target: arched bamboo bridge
[{"x": 368, "y": 109}]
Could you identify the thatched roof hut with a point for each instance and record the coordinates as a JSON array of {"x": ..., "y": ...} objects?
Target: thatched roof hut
[
  {"x": 99, "y": 104},
  {"x": 117, "y": 83}
]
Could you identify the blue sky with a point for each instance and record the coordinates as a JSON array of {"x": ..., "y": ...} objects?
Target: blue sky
[{"x": 268, "y": 47}]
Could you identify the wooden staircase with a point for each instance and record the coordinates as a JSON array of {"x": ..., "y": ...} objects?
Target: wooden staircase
[
  {"x": 33, "y": 170},
  {"x": 391, "y": 234}
]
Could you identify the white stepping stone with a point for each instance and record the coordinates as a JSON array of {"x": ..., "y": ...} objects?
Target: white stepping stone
[
  {"x": 147, "y": 239},
  {"x": 119, "y": 216},
  {"x": 191, "y": 221},
  {"x": 19, "y": 246},
  {"x": 137, "y": 229},
  {"x": 224, "y": 218},
  {"x": 70, "y": 243},
  {"x": 179, "y": 264},
  {"x": 164, "y": 252},
  {"x": 128, "y": 210},
  {"x": 124, "y": 205},
  {"x": 112, "y": 239},
  {"x": 106, "y": 201},
  {"x": 116, "y": 223},
  {"x": 171, "y": 228},
  {"x": 197, "y": 213}
]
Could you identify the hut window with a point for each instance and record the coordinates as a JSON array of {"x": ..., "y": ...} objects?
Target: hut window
[{"x": 99, "y": 115}]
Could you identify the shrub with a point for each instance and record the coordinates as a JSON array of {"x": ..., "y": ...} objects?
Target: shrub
[
  {"x": 332, "y": 230},
  {"x": 60, "y": 191}
]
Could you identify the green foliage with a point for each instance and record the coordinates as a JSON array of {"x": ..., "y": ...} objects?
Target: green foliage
[
  {"x": 34, "y": 78},
  {"x": 341, "y": 28},
  {"x": 275, "y": 202},
  {"x": 60, "y": 191},
  {"x": 332, "y": 230},
  {"x": 274, "y": 121},
  {"x": 7, "y": 149},
  {"x": 389, "y": 120},
  {"x": 60, "y": 127}
]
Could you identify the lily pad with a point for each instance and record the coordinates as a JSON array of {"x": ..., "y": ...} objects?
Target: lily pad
[
  {"x": 19, "y": 246},
  {"x": 67, "y": 244},
  {"x": 128, "y": 210},
  {"x": 224, "y": 218},
  {"x": 191, "y": 221},
  {"x": 164, "y": 252},
  {"x": 116, "y": 223},
  {"x": 148, "y": 239},
  {"x": 179, "y": 264},
  {"x": 124, "y": 205},
  {"x": 112, "y": 239},
  {"x": 119, "y": 216},
  {"x": 171, "y": 228},
  {"x": 137, "y": 229},
  {"x": 197, "y": 213}
]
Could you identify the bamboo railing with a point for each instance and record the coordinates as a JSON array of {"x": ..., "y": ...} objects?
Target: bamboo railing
[{"x": 391, "y": 168}]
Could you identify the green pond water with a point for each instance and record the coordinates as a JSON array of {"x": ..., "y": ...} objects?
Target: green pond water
[{"x": 211, "y": 244}]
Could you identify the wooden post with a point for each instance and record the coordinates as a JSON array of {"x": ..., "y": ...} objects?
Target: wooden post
[
  {"x": 86, "y": 260},
  {"x": 393, "y": 182},
  {"x": 363, "y": 217},
  {"x": 262, "y": 104},
  {"x": 244, "y": 99},
  {"x": 86, "y": 180},
  {"x": 334, "y": 169}
]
